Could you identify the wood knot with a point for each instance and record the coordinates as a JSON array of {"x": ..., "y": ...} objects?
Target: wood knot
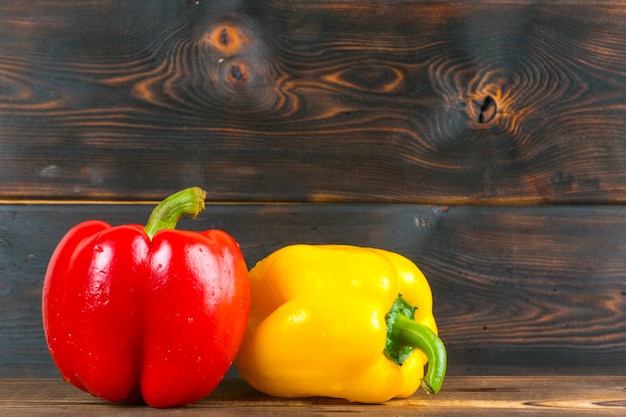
[
  {"x": 227, "y": 39},
  {"x": 483, "y": 109},
  {"x": 237, "y": 73}
]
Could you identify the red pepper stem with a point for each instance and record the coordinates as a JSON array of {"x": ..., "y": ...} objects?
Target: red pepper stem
[
  {"x": 411, "y": 333},
  {"x": 167, "y": 213}
]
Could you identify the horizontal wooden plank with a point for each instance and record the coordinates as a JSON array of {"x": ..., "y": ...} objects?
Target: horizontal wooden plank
[
  {"x": 461, "y": 396},
  {"x": 518, "y": 290},
  {"x": 356, "y": 101}
]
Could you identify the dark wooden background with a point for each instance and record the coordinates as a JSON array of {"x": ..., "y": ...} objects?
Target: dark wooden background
[{"x": 484, "y": 140}]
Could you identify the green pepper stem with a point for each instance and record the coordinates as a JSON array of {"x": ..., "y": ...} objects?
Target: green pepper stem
[
  {"x": 411, "y": 333},
  {"x": 167, "y": 213}
]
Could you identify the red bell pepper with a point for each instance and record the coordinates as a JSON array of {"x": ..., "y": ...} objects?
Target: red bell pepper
[{"x": 148, "y": 314}]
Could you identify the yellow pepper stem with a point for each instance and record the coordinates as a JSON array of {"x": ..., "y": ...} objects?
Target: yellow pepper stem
[
  {"x": 404, "y": 335},
  {"x": 412, "y": 333},
  {"x": 167, "y": 213}
]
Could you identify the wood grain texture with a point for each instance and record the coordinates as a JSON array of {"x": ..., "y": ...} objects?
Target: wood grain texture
[
  {"x": 432, "y": 102},
  {"x": 461, "y": 396},
  {"x": 517, "y": 290}
]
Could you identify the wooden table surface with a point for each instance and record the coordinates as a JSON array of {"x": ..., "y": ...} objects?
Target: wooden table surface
[{"x": 460, "y": 396}]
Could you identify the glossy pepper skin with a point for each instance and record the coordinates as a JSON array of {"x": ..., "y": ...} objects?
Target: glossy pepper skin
[
  {"x": 320, "y": 323},
  {"x": 154, "y": 315}
]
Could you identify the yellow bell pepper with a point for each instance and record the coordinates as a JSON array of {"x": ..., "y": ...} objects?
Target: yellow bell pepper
[{"x": 340, "y": 321}]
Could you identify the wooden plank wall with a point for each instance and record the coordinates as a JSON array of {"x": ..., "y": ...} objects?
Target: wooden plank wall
[{"x": 484, "y": 140}]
